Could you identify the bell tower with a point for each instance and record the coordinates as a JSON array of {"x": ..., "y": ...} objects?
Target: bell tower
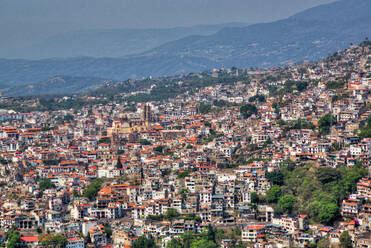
[{"x": 147, "y": 117}]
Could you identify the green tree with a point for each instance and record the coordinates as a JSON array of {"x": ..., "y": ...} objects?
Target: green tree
[
  {"x": 108, "y": 230},
  {"x": 46, "y": 183},
  {"x": 329, "y": 213},
  {"x": 204, "y": 108},
  {"x": 327, "y": 174},
  {"x": 75, "y": 193},
  {"x": 156, "y": 217},
  {"x": 275, "y": 177},
  {"x": 333, "y": 85},
  {"x": 13, "y": 238},
  {"x": 259, "y": 98},
  {"x": 183, "y": 174},
  {"x": 159, "y": 149},
  {"x": 88, "y": 238},
  {"x": 351, "y": 177},
  {"x": 288, "y": 165},
  {"x": 3, "y": 161},
  {"x": 366, "y": 131},
  {"x": 207, "y": 124},
  {"x": 68, "y": 118},
  {"x": 187, "y": 239},
  {"x": 248, "y": 110},
  {"x": 171, "y": 213},
  {"x": 118, "y": 164},
  {"x": 286, "y": 203},
  {"x": 211, "y": 233},
  {"x": 345, "y": 240},
  {"x": 174, "y": 243},
  {"x": 324, "y": 124},
  {"x": 183, "y": 192},
  {"x": 313, "y": 245},
  {"x": 315, "y": 208},
  {"x": 92, "y": 189},
  {"x": 105, "y": 140},
  {"x": 301, "y": 86},
  {"x": 273, "y": 194},
  {"x": 143, "y": 242},
  {"x": 219, "y": 235},
  {"x": 145, "y": 142},
  {"x": 299, "y": 124},
  {"x": 335, "y": 147},
  {"x": 234, "y": 235},
  {"x": 203, "y": 243},
  {"x": 254, "y": 197},
  {"x": 53, "y": 241}
]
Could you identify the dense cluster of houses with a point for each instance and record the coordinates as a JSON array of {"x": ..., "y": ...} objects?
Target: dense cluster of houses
[{"x": 102, "y": 176}]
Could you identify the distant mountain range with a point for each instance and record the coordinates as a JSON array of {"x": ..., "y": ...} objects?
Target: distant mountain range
[
  {"x": 309, "y": 35},
  {"x": 106, "y": 42}
]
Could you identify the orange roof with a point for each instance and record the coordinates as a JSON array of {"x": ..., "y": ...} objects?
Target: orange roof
[
  {"x": 65, "y": 162},
  {"x": 30, "y": 239},
  {"x": 158, "y": 127},
  {"x": 350, "y": 203},
  {"x": 350, "y": 223},
  {"x": 256, "y": 227},
  {"x": 105, "y": 191}
]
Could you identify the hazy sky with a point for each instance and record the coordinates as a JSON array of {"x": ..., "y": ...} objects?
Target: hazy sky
[{"x": 80, "y": 14}]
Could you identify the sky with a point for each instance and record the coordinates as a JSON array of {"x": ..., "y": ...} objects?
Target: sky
[{"x": 91, "y": 14}]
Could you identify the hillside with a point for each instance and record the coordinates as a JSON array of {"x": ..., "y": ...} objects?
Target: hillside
[
  {"x": 60, "y": 84},
  {"x": 309, "y": 35},
  {"x": 23, "y": 72}
]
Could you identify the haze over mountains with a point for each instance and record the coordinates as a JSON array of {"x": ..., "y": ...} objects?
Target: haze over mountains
[
  {"x": 61, "y": 85},
  {"x": 25, "y": 23},
  {"x": 309, "y": 35},
  {"x": 106, "y": 42}
]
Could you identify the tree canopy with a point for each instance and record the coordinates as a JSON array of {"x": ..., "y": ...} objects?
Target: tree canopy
[
  {"x": 275, "y": 177},
  {"x": 56, "y": 240},
  {"x": 345, "y": 240},
  {"x": 204, "y": 108},
  {"x": 247, "y": 110},
  {"x": 171, "y": 213},
  {"x": 46, "y": 183},
  {"x": 317, "y": 192},
  {"x": 143, "y": 242},
  {"x": 366, "y": 130},
  {"x": 324, "y": 124},
  {"x": 13, "y": 236},
  {"x": 92, "y": 189},
  {"x": 119, "y": 164},
  {"x": 286, "y": 203},
  {"x": 273, "y": 194},
  {"x": 254, "y": 197}
]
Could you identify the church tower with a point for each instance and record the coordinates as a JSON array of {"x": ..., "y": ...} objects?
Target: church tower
[{"x": 147, "y": 117}]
